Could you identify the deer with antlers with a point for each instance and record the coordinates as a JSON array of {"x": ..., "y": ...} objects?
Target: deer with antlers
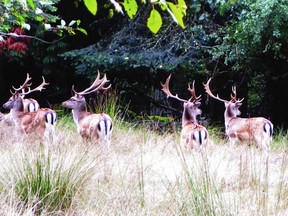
[
  {"x": 256, "y": 130},
  {"x": 91, "y": 126},
  {"x": 193, "y": 135},
  {"x": 41, "y": 121},
  {"x": 30, "y": 104}
]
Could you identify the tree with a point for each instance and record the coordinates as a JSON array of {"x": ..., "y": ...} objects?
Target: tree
[
  {"x": 136, "y": 60},
  {"x": 28, "y": 28},
  {"x": 36, "y": 17},
  {"x": 254, "y": 46}
]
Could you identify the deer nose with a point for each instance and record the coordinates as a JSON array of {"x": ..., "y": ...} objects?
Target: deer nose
[{"x": 5, "y": 106}]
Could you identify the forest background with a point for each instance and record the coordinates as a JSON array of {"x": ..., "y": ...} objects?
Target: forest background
[{"x": 242, "y": 43}]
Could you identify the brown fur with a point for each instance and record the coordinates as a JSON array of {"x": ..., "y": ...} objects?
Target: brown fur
[{"x": 250, "y": 131}]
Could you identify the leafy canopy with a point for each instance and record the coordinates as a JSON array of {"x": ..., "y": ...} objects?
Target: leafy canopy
[
  {"x": 33, "y": 16},
  {"x": 257, "y": 29},
  {"x": 176, "y": 10}
]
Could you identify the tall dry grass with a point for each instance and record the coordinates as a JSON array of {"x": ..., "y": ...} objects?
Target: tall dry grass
[{"x": 143, "y": 173}]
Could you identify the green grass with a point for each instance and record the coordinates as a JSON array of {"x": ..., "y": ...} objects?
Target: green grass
[{"x": 43, "y": 179}]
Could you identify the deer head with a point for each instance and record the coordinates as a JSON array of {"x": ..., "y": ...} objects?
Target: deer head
[
  {"x": 191, "y": 106},
  {"x": 78, "y": 101},
  {"x": 232, "y": 106},
  {"x": 16, "y": 100}
]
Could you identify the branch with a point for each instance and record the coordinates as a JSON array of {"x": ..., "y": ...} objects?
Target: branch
[{"x": 32, "y": 37}]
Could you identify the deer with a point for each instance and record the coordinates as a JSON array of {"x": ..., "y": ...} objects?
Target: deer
[
  {"x": 41, "y": 121},
  {"x": 30, "y": 104},
  {"x": 193, "y": 135},
  {"x": 256, "y": 130},
  {"x": 93, "y": 127}
]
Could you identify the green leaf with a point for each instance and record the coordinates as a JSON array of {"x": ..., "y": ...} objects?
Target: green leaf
[
  {"x": 154, "y": 22},
  {"x": 178, "y": 13},
  {"x": 163, "y": 6},
  {"x": 111, "y": 13},
  {"x": 31, "y": 4},
  {"x": 39, "y": 18},
  {"x": 182, "y": 6},
  {"x": 91, "y": 5},
  {"x": 131, "y": 7},
  {"x": 6, "y": 2},
  {"x": 60, "y": 33},
  {"x": 82, "y": 30}
]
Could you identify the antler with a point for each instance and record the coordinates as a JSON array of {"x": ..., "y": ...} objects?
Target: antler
[
  {"x": 234, "y": 95},
  {"x": 193, "y": 93},
  {"x": 97, "y": 85},
  {"x": 38, "y": 88},
  {"x": 165, "y": 88},
  {"x": 24, "y": 85},
  {"x": 207, "y": 88}
]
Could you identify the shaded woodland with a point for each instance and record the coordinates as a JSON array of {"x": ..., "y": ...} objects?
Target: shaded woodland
[{"x": 242, "y": 43}]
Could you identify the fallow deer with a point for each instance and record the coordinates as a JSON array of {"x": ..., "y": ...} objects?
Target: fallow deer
[
  {"x": 41, "y": 121},
  {"x": 256, "y": 130},
  {"x": 30, "y": 104},
  {"x": 94, "y": 127},
  {"x": 193, "y": 135}
]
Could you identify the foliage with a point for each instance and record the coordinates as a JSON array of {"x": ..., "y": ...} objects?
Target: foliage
[
  {"x": 177, "y": 11},
  {"x": 255, "y": 29},
  {"x": 91, "y": 6},
  {"x": 14, "y": 47},
  {"x": 19, "y": 13},
  {"x": 133, "y": 47},
  {"x": 154, "y": 21},
  {"x": 253, "y": 43},
  {"x": 137, "y": 60},
  {"x": 32, "y": 18}
]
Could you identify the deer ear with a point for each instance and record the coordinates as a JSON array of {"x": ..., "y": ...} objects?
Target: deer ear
[
  {"x": 197, "y": 104},
  {"x": 77, "y": 96},
  {"x": 238, "y": 104}
]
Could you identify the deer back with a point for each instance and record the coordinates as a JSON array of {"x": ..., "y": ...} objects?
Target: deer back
[
  {"x": 96, "y": 127},
  {"x": 194, "y": 136},
  {"x": 30, "y": 105}
]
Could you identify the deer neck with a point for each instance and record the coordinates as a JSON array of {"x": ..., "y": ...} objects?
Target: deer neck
[
  {"x": 17, "y": 109},
  {"x": 79, "y": 113},
  {"x": 228, "y": 116},
  {"x": 188, "y": 117}
]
